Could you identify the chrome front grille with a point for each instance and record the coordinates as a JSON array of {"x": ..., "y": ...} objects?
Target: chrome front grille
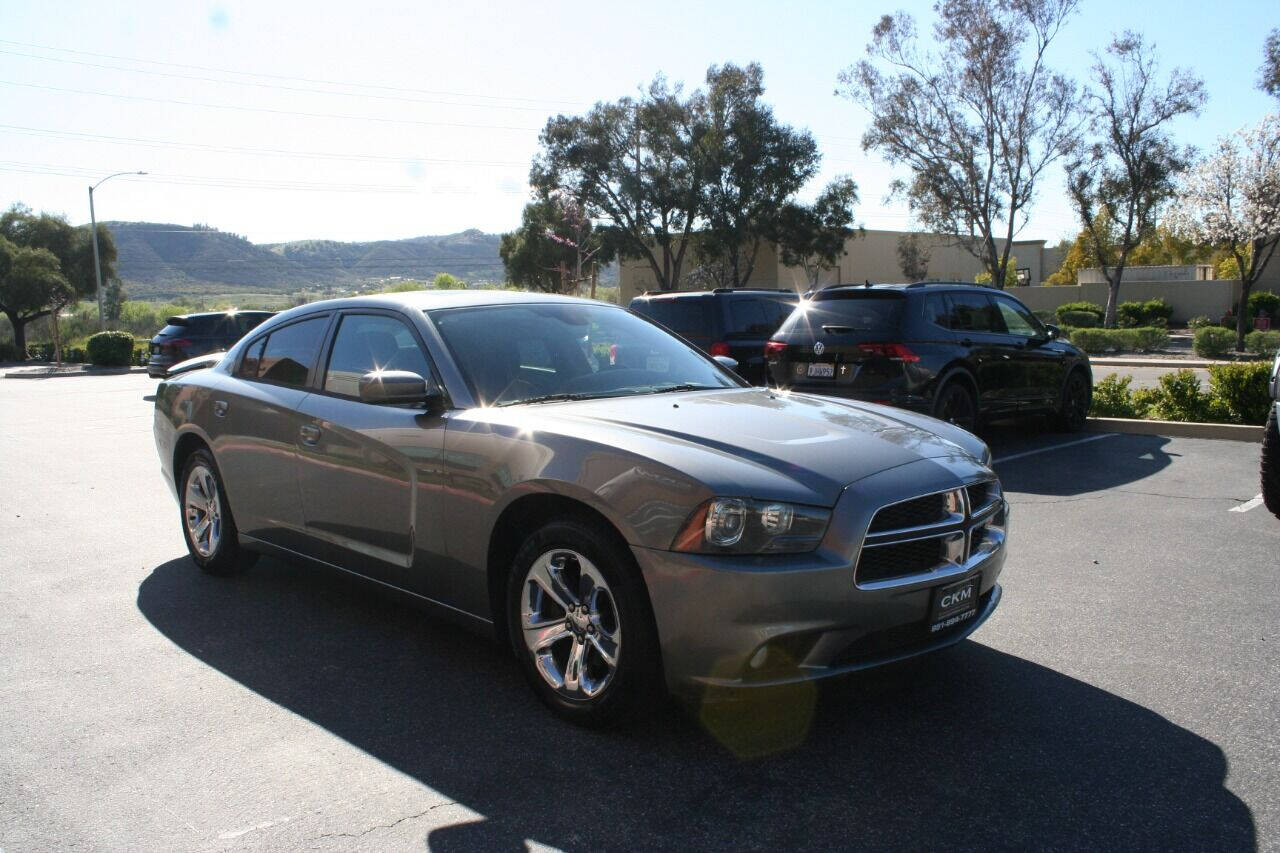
[{"x": 931, "y": 533}]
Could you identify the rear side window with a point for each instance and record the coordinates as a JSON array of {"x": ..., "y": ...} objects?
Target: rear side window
[
  {"x": 872, "y": 312},
  {"x": 973, "y": 312},
  {"x": 757, "y": 317},
  {"x": 937, "y": 311},
  {"x": 289, "y": 353}
]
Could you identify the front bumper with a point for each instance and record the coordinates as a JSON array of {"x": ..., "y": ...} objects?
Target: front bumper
[{"x": 757, "y": 621}]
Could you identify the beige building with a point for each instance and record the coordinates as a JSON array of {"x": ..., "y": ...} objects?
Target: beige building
[{"x": 871, "y": 256}]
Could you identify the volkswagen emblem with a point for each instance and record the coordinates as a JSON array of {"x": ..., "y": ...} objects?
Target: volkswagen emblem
[{"x": 819, "y": 348}]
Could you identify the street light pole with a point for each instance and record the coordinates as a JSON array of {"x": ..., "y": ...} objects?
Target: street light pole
[{"x": 93, "y": 229}]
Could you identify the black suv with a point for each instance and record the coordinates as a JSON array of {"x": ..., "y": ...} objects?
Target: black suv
[
  {"x": 958, "y": 352},
  {"x": 189, "y": 335},
  {"x": 734, "y": 323}
]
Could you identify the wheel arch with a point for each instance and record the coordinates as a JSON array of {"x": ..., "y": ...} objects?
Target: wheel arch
[
  {"x": 957, "y": 371},
  {"x": 188, "y": 442},
  {"x": 521, "y": 517}
]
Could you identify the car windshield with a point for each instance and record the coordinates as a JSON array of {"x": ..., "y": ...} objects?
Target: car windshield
[{"x": 535, "y": 352}]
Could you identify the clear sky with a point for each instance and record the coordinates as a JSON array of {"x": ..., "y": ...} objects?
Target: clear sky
[{"x": 292, "y": 120}]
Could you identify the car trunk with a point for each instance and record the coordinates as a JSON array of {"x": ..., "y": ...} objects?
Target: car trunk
[{"x": 851, "y": 341}]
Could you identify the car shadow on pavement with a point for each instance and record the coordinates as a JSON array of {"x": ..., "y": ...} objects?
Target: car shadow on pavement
[
  {"x": 973, "y": 748},
  {"x": 1106, "y": 462}
]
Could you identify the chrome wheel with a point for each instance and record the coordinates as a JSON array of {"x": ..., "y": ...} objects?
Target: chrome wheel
[
  {"x": 202, "y": 511},
  {"x": 570, "y": 624}
]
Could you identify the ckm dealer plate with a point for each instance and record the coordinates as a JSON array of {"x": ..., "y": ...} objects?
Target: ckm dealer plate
[{"x": 954, "y": 603}]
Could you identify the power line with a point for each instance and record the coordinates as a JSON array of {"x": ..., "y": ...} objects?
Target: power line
[
  {"x": 275, "y": 86},
  {"x": 286, "y": 77},
  {"x": 72, "y": 135},
  {"x": 243, "y": 108}
]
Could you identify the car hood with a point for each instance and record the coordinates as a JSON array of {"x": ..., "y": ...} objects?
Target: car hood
[{"x": 756, "y": 442}]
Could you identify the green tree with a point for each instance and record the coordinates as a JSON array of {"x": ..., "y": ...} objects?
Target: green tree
[
  {"x": 813, "y": 236},
  {"x": 444, "y": 281},
  {"x": 637, "y": 167},
  {"x": 31, "y": 285},
  {"x": 754, "y": 167},
  {"x": 71, "y": 246},
  {"x": 1269, "y": 73},
  {"x": 974, "y": 112},
  {"x": 554, "y": 246},
  {"x": 1119, "y": 182},
  {"x": 1010, "y": 275}
]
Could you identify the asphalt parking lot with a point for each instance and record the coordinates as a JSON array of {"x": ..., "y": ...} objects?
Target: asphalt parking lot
[{"x": 1126, "y": 695}]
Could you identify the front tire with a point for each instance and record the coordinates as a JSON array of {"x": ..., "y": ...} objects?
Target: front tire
[
  {"x": 1077, "y": 397},
  {"x": 207, "y": 524},
  {"x": 1271, "y": 464},
  {"x": 579, "y": 621}
]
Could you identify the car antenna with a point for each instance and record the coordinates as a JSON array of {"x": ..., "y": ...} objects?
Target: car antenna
[{"x": 868, "y": 284}]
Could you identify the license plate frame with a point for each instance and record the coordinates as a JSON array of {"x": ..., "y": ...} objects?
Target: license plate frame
[
  {"x": 954, "y": 603},
  {"x": 821, "y": 370}
]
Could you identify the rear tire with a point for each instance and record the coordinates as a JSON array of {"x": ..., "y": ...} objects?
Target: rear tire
[
  {"x": 207, "y": 524},
  {"x": 579, "y": 621},
  {"x": 1077, "y": 397},
  {"x": 1271, "y": 464},
  {"x": 956, "y": 404}
]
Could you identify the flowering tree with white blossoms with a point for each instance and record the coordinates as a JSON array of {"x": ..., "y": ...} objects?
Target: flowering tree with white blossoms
[{"x": 1232, "y": 200}]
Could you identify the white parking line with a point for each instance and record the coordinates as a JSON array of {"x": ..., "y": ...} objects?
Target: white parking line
[
  {"x": 1065, "y": 444},
  {"x": 1253, "y": 502}
]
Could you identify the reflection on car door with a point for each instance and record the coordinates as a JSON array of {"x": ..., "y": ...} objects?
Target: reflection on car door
[
  {"x": 369, "y": 474},
  {"x": 1040, "y": 366},
  {"x": 255, "y": 430}
]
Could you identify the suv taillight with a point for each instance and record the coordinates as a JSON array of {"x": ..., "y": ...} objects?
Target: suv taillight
[
  {"x": 773, "y": 349},
  {"x": 719, "y": 348},
  {"x": 897, "y": 352}
]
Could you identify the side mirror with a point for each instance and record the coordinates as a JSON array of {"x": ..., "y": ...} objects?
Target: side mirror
[
  {"x": 1054, "y": 331},
  {"x": 726, "y": 362},
  {"x": 397, "y": 387}
]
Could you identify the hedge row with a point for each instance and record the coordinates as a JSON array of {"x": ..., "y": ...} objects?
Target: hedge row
[
  {"x": 1105, "y": 340},
  {"x": 1129, "y": 315},
  {"x": 1238, "y": 394}
]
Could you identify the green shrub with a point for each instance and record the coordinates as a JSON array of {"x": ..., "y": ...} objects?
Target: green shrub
[
  {"x": 8, "y": 351},
  {"x": 1262, "y": 343},
  {"x": 1180, "y": 398},
  {"x": 111, "y": 349},
  {"x": 1213, "y": 342},
  {"x": 1080, "y": 319},
  {"x": 1113, "y": 399},
  {"x": 1200, "y": 322},
  {"x": 1088, "y": 307},
  {"x": 1150, "y": 339},
  {"x": 1153, "y": 312},
  {"x": 1092, "y": 340},
  {"x": 1264, "y": 302},
  {"x": 1241, "y": 389}
]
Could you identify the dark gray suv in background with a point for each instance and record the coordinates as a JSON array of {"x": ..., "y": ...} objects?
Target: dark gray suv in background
[
  {"x": 958, "y": 352},
  {"x": 564, "y": 474},
  {"x": 188, "y": 335}
]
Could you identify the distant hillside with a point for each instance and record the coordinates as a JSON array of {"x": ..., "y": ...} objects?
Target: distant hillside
[{"x": 163, "y": 261}]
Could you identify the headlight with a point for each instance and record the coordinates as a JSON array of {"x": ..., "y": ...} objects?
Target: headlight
[
  {"x": 986, "y": 455},
  {"x": 745, "y": 526}
]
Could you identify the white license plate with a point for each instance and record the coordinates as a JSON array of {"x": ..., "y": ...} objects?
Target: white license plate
[{"x": 822, "y": 369}]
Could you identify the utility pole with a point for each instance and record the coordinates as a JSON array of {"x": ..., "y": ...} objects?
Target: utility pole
[{"x": 93, "y": 229}]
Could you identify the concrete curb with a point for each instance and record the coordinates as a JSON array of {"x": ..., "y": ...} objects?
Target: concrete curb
[
  {"x": 53, "y": 373},
  {"x": 1169, "y": 363},
  {"x": 1177, "y": 429}
]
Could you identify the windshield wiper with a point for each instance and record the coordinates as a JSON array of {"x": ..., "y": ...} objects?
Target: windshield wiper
[
  {"x": 549, "y": 398},
  {"x": 684, "y": 386}
]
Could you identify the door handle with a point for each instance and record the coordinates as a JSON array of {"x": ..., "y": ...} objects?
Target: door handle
[
  {"x": 220, "y": 408},
  {"x": 310, "y": 434}
]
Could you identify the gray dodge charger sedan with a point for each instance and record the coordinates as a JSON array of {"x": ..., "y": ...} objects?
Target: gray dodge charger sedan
[{"x": 621, "y": 508}]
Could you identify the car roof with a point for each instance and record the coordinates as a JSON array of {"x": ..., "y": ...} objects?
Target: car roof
[
  {"x": 427, "y": 300},
  {"x": 914, "y": 287},
  {"x": 783, "y": 292},
  {"x": 222, "y": 313}
]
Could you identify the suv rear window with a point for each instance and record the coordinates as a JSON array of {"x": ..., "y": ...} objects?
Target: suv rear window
[
  {"x": 198, "y": 327},
  {"x": 687, "y": 317},
  {"x": 862, "y": 312}
]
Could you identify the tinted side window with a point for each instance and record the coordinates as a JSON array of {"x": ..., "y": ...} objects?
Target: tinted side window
[
  {"x": 252, "y": 359},
  {"x": 937, "y": 311},
  {"x": 686, "y": 317},
  {"x": 248, "y": 322},
  {"x": 203, "y": 326},
  {"x": 973, "y": 312},
  {"x": 368, "y": 342},
  {"x": 290, "y": 352},
  {"x": 1017, "y": 321}
]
